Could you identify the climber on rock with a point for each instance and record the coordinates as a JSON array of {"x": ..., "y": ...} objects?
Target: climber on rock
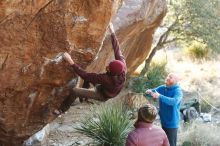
[{"x": 107, "y": 85}]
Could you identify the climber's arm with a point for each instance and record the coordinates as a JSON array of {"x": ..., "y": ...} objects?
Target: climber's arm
[{"x": 115, "y": 45}]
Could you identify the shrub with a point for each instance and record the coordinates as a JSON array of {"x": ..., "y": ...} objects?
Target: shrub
[
  {"x": 205, "y": 107},
  {"x": 108, "y": 126},
  {"x": 197, "y": 51},
  {"x": 156, "y": 74},
  {"x": 187, "y": 143},
  {"x": 138, "y": 84},
  {"x": 201, "y": 134},
  {"x": 154, "y": 77}
]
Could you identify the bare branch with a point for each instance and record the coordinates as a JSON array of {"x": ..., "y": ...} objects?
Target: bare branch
[{"x": 173, "y": 40}]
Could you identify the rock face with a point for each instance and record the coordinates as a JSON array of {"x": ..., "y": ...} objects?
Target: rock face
[
  {"x": 33, "y": 35},
  {"x": 135, "y": 22}
]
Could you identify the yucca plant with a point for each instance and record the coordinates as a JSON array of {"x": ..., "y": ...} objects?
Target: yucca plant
[{"x": 108, "y": 126}]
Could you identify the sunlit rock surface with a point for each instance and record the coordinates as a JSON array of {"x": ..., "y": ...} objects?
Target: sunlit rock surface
[
  {"x": 135, "y": 24},
  {"x": 33, "y": 35}
]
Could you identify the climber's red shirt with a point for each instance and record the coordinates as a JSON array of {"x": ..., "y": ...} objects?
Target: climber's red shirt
[{"x": 110, "y": 85}]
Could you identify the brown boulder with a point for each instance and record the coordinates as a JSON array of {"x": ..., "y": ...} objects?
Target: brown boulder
[
  {"x": 135, "y": 22},
  {"x": 35, "y": 33}
]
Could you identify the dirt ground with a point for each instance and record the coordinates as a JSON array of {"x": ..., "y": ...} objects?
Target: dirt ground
[
  {"x": 196, "y": 77},
  {"x": 62, "y": 130}
]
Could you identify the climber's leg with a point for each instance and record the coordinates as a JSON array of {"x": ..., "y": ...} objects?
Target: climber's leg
[
  {"x": 85, "y": 85},
  {"x": 87, "y": 93},
  {"x": 69, "y": 100},
  {"x": 80, "y": 92}
]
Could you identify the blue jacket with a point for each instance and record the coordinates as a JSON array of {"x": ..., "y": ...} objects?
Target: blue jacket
[{"x": 169, "y": 102}]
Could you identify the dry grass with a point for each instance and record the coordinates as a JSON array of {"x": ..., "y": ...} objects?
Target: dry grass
[
  {"x": 202, "y": 77},
  {"x": 200, "y": 134}
]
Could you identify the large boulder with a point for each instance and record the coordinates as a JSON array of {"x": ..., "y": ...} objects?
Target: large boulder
[
  {"x": 35, "y": 33},
  {"x": 135, "y": 24}
]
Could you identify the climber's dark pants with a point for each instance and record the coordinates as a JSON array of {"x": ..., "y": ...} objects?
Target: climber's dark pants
[
  {"x": 85, "y": 85},
  {"x": 82, "y": 93}
]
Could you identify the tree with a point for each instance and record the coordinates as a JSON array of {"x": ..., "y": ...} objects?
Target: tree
[
  {"x": 200, "y": 21},
  {"x": 189, "y": 20}
]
